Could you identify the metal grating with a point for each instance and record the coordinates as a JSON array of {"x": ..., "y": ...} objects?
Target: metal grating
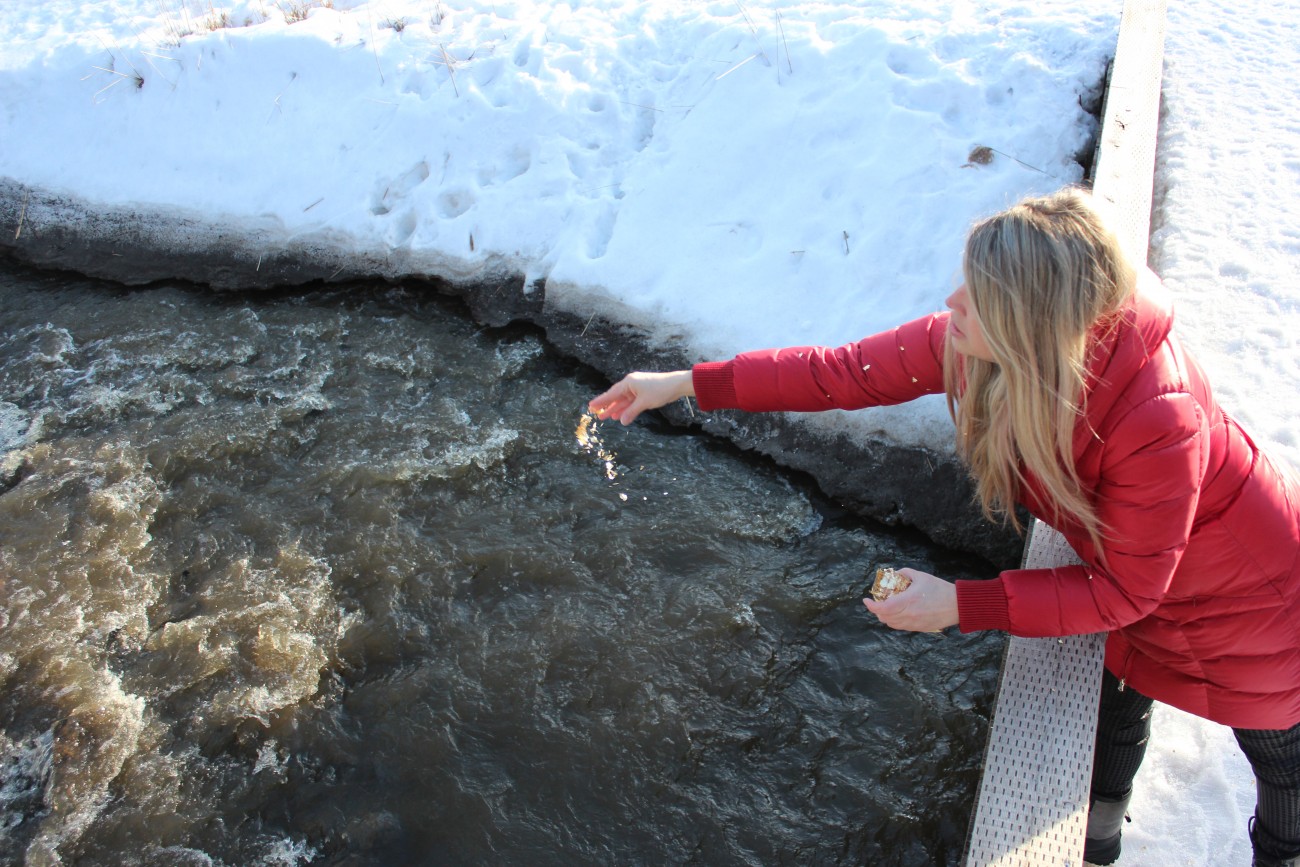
[{"x": 1033, "y": 799}]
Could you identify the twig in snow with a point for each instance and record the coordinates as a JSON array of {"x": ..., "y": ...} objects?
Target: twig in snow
[
  {"x": 1022, "y": 162},
  {"x": 737, "y": 66},
  {"x": 22, "y": 215},
  {"x": 293, "y": 76},
  {"x": 754, "y": 32},
  {"x": 122, "y": 76},
  {"x": 373, "y": 47},
  {"x": 154, "y": 66},
  {"x": 111, "y": 84},
  {"x": 451, "y": 68},
  {"x": 978, "y": 156},
  {"x": 781, "y": 26},
  {"x": 639, "y": 105},
  {"x": 112, "y": 56}
]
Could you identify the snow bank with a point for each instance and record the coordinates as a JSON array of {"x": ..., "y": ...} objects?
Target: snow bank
[{"x": 728, "y": 175}]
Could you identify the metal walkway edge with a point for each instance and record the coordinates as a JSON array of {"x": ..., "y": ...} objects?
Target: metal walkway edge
[
  {"x": 1033, "y": 798},
  {"x": 1032, "y": 807}
]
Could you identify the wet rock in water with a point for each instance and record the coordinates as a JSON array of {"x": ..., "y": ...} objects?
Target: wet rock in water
[{"x": 25, "y": 768}]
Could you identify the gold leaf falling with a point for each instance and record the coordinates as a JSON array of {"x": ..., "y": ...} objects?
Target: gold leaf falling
[{"x": 588, "y": 436}]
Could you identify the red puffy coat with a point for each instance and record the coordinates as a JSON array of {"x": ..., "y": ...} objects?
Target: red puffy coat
[{"x": 1200, "y": 588}]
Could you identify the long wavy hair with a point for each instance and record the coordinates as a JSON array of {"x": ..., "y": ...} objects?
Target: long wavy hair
[{"x": 1045, "y": 278}]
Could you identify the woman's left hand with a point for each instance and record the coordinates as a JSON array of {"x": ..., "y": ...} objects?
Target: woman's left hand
[{"x": 928, "y": 605}]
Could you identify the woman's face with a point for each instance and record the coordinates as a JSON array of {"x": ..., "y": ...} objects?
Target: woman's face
[{"x": 964, "y": 326}]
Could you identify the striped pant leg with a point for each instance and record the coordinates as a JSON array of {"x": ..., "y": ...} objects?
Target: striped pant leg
[
  {"x": 1123, "y": 729},
  {"x": 1274, "y": 756}
]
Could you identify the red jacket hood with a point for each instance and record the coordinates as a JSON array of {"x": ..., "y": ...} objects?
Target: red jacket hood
[{"x": 1123, "y": 346}]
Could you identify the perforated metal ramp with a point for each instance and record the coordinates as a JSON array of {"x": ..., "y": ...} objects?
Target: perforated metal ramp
[{"x": 1033, "y": 799}]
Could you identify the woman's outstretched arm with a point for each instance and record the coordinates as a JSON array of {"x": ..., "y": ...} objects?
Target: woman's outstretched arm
[{"x": 891, "y": 367}]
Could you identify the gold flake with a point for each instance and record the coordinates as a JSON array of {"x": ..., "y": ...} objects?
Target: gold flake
[
  {"x": 588, "y": 435},
  {"x": 888, "y": 582}
]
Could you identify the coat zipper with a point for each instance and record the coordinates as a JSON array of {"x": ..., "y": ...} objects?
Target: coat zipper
[{"x": 1123, "y": 680}]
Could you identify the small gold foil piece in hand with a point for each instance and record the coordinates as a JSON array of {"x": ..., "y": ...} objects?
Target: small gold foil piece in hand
[{"x": 888, "y": 582}]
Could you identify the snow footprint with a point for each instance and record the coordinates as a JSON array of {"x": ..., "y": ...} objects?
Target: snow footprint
[
  {"x": 919, "y": 81},
  {"x": 390, "y": 194},
  {"x": 909, "y": 62},
  {"x": 454, "y": 202},
  {"x": 602, "y": 231},
  {"x": 506, "y": 168},
  {"x": 526, "y": 59},
  {"x": 403, "y": 229},
  {"x": 486, "y": 72}
]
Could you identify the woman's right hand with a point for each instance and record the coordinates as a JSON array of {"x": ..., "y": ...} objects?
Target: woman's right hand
[{"x": 640, "y": 391}]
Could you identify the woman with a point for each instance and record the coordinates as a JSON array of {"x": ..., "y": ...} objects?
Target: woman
[{"x": 1072, "y": 396}]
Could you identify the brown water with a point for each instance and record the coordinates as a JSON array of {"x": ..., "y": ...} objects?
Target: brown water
[{"x": 327, "y": 578}]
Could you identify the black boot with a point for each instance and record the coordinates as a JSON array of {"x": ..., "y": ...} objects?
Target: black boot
[
  {"x": 1106, "y": 818},
  {"x": 1267, "y": 847}
]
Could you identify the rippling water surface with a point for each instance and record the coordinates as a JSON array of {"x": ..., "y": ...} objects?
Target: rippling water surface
[{"x": 326, "y": 578}]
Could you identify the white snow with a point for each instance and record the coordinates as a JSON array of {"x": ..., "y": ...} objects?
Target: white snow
[{"x": 730, "y": 175}]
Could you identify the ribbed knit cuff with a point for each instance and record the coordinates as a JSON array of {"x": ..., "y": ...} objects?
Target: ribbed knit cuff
[
  {"x": 714, "y": 386},
  {"x": 982, "y": 605}
]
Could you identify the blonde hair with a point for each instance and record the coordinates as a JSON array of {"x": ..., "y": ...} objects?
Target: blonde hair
[{"x": 1043, "y": 277}]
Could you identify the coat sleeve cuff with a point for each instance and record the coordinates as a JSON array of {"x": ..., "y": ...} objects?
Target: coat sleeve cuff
[
  {"x": 715, "y": 387},
  {"x": 982, "y": 605}
]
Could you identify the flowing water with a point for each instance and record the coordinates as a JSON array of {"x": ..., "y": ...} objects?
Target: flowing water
[{"x": 331, "y": 578}]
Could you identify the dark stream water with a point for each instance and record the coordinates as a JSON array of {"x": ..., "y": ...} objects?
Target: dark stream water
[{"x": 326, "y": 578}]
